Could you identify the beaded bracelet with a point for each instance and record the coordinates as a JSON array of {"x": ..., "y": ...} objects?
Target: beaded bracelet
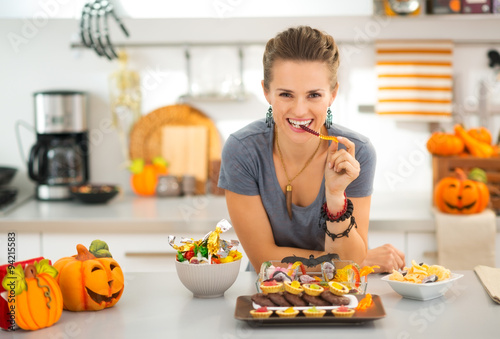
[
  {"x": 335, "y": 217},
  {"x": 325, "y": 216}
]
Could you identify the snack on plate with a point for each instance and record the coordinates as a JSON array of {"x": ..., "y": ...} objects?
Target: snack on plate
[
  {"x": 271, "y": 286},
  {"x": 343, "y": 312},
  {"x": 261, "y": 312},
  {"x": 313, "y": 312},
  {"x": 338, "y": 288},
  {"x": 209, "y": 250},
  {"x": 288, "y": 313},
  {"x": 313, "y": 289},
  {"x": 365, "y": 303},
  {"x": 296, "y": 275},
  {"x": 421, "y": 274},
  {"x": 293, "y": 287}
]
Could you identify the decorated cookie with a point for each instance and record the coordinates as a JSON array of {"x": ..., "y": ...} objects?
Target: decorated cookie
[
  {"x": 338, "y": 288},
  {"x": 288, "y": 313},
  {"x": 343, "y": 312},
  {"x": 293, "y": 287},
  {"x": 271, "y": 286},
  {"x": 313, "y": 289},
  {"x": 261, "y": 312},
  {"x": 313, "y": 312}
]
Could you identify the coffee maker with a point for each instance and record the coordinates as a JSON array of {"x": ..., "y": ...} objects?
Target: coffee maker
[{"x": 59, "y": 157}]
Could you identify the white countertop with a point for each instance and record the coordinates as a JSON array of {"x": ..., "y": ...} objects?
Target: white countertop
[
  {"x": 389, "y": 212},
  {"x": 157, "y": 305}
]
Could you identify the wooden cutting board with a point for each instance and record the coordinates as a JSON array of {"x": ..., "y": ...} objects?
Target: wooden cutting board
[{"x": 187, "y": 152}]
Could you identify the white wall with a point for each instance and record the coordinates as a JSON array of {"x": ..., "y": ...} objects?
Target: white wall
[{"x": 43, "y": 60}]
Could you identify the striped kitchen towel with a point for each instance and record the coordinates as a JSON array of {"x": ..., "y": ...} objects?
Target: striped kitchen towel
[{"x": 414, "y": 77}]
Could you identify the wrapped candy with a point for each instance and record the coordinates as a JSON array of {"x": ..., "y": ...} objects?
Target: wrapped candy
[{"x": 210, "y": 249}]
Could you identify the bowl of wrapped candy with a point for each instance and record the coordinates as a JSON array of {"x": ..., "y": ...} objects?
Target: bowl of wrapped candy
[{"x": 209, "y": 266}]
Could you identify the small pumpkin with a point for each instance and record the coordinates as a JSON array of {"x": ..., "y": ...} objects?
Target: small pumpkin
[
  {"x": 480, "y": 133},
  {"x": 90, "y": 281},
  {"x": 459, "y": 195},
  {"x": 441, "y": 143},
  {"x": 145, "y": 176},
  {"x": 33, "y": 295},
  {"x": 478, "y": 174}
]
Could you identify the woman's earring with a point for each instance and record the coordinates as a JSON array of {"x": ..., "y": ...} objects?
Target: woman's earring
[
  {"x": 269, "y": 117},
  {"x": 328, "y": 122}
]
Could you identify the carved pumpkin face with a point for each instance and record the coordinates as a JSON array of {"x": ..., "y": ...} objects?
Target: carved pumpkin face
[
  {"x": 461, "y": 196},
  {"x": 89, "y": 283}
]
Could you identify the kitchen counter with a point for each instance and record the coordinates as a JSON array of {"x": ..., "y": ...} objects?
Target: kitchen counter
[
  {"x": 156, "y": 305},
  {"x": 404, "y": 212}
]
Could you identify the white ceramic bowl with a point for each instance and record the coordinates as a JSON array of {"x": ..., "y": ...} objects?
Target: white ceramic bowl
[
  {"x": 422, "y": 291},
  {"x": 208, "y": 281}
]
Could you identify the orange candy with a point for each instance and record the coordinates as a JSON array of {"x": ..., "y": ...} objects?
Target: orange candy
[{"x": 365, "y": 303}]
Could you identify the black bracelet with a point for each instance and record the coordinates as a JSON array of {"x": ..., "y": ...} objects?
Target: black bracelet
[{"x": 348, "y": 214}]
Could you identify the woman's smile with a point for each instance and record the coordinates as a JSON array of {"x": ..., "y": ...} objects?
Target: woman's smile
[{"x": 296, "y": 123}]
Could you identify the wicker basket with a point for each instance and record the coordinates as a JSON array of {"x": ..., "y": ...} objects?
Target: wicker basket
[{"x": 145, "y": 136}]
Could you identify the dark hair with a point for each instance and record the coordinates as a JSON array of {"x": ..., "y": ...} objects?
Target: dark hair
[{"x": 301, "y": 43}]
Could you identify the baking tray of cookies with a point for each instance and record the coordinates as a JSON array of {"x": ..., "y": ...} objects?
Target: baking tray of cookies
[{"x": 244, "y": 305}]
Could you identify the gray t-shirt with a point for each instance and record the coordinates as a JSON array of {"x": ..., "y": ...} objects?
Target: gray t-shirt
[{"x": 248, "y": 169}]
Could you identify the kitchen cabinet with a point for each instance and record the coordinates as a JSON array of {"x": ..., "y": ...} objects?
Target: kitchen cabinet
[{"x": 26, "y": 246}]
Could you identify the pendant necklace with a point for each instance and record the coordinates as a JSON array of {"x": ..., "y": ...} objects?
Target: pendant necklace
[{"x": 288, "y": 194}]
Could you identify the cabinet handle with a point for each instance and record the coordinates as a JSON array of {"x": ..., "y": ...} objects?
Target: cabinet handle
[
  {"x": 151, "y": 254},
  {"x": 430, "y": 254}
]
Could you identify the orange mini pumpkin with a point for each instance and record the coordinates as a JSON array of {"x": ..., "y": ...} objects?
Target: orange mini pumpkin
[
  {"x": 145, "y": 181},
  {"x": 458, "y": 195},
  {"x": 33, "y": 295},
  {"x": 445, "y": 144},
  {"x": 90, "y": 283},
  {"x": 481, "y": 134}
]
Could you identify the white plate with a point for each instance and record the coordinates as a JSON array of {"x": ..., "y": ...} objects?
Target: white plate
[
  {"x": 352, "y": 304},
  {"x": 422, "y": 291}
]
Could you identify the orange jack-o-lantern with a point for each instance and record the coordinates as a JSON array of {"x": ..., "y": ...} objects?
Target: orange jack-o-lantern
[
  {"x": 458, "y": 195},
  {"x": 89, "y": 282}
]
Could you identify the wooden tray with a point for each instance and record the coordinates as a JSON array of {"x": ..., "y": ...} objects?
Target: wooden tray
[
  {"x": 445, "y": 166},
  {"x": 244, "y": 305}
]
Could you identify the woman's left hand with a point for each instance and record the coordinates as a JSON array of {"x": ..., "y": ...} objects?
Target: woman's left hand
[{"x": 341, "y": 167}]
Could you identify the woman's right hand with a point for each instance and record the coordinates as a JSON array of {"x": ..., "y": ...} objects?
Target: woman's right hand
[{"x": 387, "y": 257}]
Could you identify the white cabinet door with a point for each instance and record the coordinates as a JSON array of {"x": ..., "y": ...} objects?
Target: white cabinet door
[
  {"x": 422, "y": 247},
  {"x": 21, "y": 246}
]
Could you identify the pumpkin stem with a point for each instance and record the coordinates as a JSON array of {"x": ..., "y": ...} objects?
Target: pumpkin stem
[
  {"x": 30, "y": 271},
  {"x": 83, "y": 253},
  {"x": 460, "y": 174}
]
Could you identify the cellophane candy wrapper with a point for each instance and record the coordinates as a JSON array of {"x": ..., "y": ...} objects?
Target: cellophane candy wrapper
[
  {"x": 211, "y": 249},
  {"x": 345, "y": 272}
]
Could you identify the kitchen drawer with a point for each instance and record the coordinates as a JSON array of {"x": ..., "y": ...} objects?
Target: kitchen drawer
[
  {"x": 27, "y": 246},
  {"x": 422, "y": 247},
  {"x": 134, "y": 252}
]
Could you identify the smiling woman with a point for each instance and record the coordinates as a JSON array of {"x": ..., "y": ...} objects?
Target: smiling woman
[{"x": 263, "y": 163}]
